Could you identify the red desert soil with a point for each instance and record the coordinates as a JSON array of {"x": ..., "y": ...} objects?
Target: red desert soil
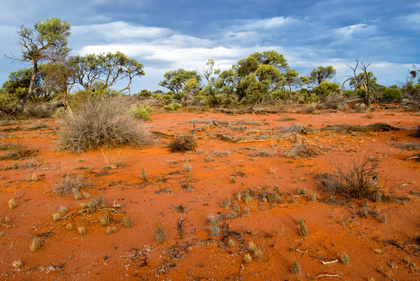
[{"x": 183, "y": 201}]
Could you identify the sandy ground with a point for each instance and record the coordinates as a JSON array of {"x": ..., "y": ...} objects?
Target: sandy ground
[{"x": 181, "y": 202}]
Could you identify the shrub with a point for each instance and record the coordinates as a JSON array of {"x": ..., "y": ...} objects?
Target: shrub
[
  {"x": 358, "y": 180},
  {"x": 169, "y": 107},
  {"x": 70, "y": 184},
  {"x": 141, "y": 113},
  {"x": 391, "y": 94},
  {"x": 100, "y": 122},
  {"x": 247, "y": 258},
  {"x": 82, "y": 230},
  {"x": 183, "y": 144},
  {"x": 344, "y": 259},
  {"x": 35, "y": 244}
]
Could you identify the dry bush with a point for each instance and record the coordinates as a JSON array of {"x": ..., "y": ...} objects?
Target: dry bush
[
  {"x": 101, "y": 122},
  {"x": 261, "y": 153},
  {"x": 70, "y": 184},
  {"x": 302, "y": 150},
  {"x": 16, "y": 151},
  {"x": 183, "y": 144},
  {"x": 39, "y": 111},
  {"x": 409, "y": 146},
  {"x": 333, "y": 101},
  {"x": 358, "y": 180},
  {"x": 416, "y": 133}
]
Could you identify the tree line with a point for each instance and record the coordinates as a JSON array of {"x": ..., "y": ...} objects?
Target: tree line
[{"x": 262, "y": 77}]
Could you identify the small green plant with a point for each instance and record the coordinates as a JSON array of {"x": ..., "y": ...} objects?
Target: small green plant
[
  {"x": 12, "y": 203},
  {"x": 295, "y": 269},
  {"x": 160, "y": 233},
  {"x": 128, "y": 223},
  {"x": 81, "y": 230},
  {"x": 247, "y": 258},
  {"x": 344, "y": 259},
  {"x": 227, "y": 203},
  {"x": 17, "y": 264},
  {"x": 214, "y": 226},
  {"x": 35, "y": 244},
  {"x": 232, "y": 180},
  {"x": 140, "y": 112}
]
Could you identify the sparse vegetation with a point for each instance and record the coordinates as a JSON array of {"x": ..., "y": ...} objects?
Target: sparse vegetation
[
  {"x": 344, "y": 259},
  {"x": 160, "y": 233},
  {"x": 227, "y": 203},
  {"x": 303, "y": 230},
  {"x": 143, "y": 175},
  {"x": 187, "y": 167},
  {"x": 295, "y": 269},
  {"x": 128, "y": 223},
  {"x": 183, "y": 144},
  {"x": 214, "y": 226},
  {"x": 12, "y": 203},
  {"x": 247, "y": 258},
  {"x": 101, "y": 122},
  {"x": 35, "y": 244},
  {"x": 81, "y": 230},
  {"x": 70, "y": 185},
  {"x": 18, "y": 264}
]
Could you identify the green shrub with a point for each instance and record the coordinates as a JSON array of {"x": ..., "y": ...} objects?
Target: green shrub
[
  {"x": 168, "y": 107},
  {"x": 141, "y": 113},
  {"x": 176, "y": 106},
  {"x": 391, "y": 94}
]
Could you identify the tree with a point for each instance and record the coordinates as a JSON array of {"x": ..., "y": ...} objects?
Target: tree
[
  {"x": 254, "y": 78},
  {"x": 176, "y": 79},
  {"x": 106, "y": 68},
  {"x": 45, "y": 42},
  {"x": 320, "y": 74},
  {"x": 365, "y": 81}
]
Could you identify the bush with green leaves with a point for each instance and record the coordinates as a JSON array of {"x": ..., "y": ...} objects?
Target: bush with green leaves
[
  {"x": 141, "y": 112},
  {"x": 172, "y": 107},
  {"x": 391, "y": 93},
  {"x": 101, "y": 122}
]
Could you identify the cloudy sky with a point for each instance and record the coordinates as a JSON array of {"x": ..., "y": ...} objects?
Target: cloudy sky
[{"x": 166, "y": 35}]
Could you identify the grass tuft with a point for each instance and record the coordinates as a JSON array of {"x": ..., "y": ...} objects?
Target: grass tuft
[
  {"x": 295, "y": 269},
  {"x": 35, "y": 244},
  {"x": 160, "y": 233}
]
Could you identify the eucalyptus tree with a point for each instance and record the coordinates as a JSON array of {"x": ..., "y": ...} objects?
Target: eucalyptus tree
[
  {"x": 321, "y": 73},
  {"x": 108, "y": 69},
  {"x": 175, "y": 80},
  {"x": 45, "y": 42}
]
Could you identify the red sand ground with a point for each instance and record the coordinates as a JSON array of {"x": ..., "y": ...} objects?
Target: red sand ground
[{"x": 134, "y": 254}]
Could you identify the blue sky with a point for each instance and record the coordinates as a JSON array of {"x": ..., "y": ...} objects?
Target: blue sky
[{"x": 167, "y": 35}]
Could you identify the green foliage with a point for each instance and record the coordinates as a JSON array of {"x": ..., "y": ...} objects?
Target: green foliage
[
  {"x": 172, "y": 107},
  {"x": 144, "y": 93},
  {"x": 320, "y": 74},
  {"x": 7, "y": 99},
  {"x": 325, "y": 88},
  {"x": 109, "y": 68},
  {"x": 140, "y": 112},
  {"x": 391, "y": 93},
  {"x": 176, "y": 79}
]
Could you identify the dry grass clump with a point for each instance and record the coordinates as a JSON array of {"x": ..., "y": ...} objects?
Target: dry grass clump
[
  {"x": 69, "y": 226},
  {"x": 409, "y": 146},
  {"x": 12, "y": 203},
  {"x": 247, "y": 258},
  {"x": 128, "y": 223},
  {"x": 416, "y": 133},
  {"x": 111, "y": 229},
  {"x": 302, "y": 150},
  {"x": 81, "y": 230},
  {"x": 104, "y": 220},
  {"x": 227, "y": 203},
  {"x": 295, "y": 269},
  {"x": 17, "y": 264},
  {"x": 70, "y": 185},
  {"x": 303, "y": 230},
  {"x": 56, "y": 217},
  {"x": 214, "y": 226},
  {"x": 261, "y": 153},
  {"x": 183, "y": 144},
  {"x": 16, "y": 151},
  {"x": 187, "y": 167},
  {"x": 160, "y": 233},
  {"x": 35, "y": 244},
  {"x": 344, "y": 259},
  {"x": 101, "y": 122}
]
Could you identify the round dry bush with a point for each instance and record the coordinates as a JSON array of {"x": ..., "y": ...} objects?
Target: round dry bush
[
  {"x": 183, "y": 144},
  {"x": 101, "y": 122}
]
